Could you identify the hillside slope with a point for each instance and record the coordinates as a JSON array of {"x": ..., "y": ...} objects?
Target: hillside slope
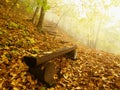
[{"x": 93, "y": 70}]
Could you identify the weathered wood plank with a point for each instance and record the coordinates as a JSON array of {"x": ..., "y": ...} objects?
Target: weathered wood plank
[
  {"x": 57, "y": 53},
  {"x": 34, "y": 61}
]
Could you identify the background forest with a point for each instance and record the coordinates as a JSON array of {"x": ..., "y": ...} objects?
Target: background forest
[{"x": 92, "y": 23}]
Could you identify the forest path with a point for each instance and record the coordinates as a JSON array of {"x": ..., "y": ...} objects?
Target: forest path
[{"x": 54, "y": 29}]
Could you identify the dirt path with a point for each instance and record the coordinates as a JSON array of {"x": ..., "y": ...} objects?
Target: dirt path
[{"x": 53, "y": 29}]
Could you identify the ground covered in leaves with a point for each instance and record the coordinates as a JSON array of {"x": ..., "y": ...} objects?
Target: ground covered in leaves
[{"x": 93, "y": 70}]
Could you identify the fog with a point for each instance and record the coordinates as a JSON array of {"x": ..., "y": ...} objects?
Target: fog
[{"x": 94, "y": 24}]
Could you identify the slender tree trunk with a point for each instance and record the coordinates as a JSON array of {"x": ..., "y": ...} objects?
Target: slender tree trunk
[
  {"x": 35, "y": 14},
  {"x": 13, "y": 6},
  {"x": 88, "y": 38},
  {"x": 97, "y": 34},
  {"x": 41, "y": 19}
]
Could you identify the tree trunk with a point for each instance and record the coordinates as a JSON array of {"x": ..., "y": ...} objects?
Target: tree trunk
[
  {"x": 97, "y": 34},
  {"x": 13, "y": 6},
  {"x": 35, "y": 14},
  {"x": 40, "y": 22}
]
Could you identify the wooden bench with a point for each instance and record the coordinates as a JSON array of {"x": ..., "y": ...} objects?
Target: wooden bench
[{"x": 36, "y": 64}]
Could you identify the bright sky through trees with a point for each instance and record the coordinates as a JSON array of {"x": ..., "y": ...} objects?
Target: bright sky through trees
[{"x": 113, "y": 12}]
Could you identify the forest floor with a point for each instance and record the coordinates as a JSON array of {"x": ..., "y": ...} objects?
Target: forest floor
[{"x": 93, "y": 70}]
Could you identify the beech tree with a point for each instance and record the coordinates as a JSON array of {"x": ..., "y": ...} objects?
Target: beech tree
[
  {"x": 35, "y": 15},
  {"x": 44, "y": 8}
]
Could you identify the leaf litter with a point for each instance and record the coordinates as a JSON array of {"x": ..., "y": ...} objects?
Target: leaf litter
[{"x": 93, "y": 70}]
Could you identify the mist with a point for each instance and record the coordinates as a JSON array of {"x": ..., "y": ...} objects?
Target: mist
[{"x": 94, "y": 24}]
